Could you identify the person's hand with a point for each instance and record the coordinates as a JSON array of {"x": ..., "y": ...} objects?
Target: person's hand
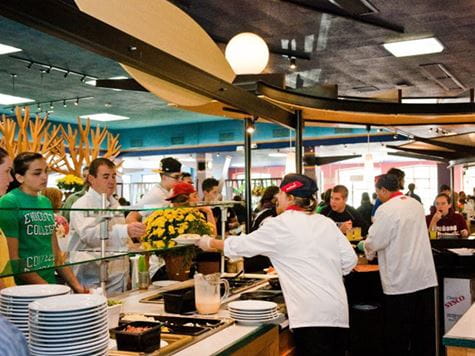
[
  {"x": 437, "y": 216},
  {"x": 464, "y": 233},
  {"x": 347, "y": 225},
  {"x": 81, "y": 289},
  {"x": 135, "y": 230},
  {"x": 204, "y": 243},
  {"x": 360, "y": 246}
]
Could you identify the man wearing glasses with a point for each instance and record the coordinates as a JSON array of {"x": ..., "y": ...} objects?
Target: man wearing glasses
[{"x": 170, "y": 174}]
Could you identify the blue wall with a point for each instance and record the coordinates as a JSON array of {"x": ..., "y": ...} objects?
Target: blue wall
[{"x": 208, "y": 137}]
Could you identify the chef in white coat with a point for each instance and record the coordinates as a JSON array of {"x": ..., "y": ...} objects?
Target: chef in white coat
[
  {"x": 399, "y": 238},
  {"x": 311, "y": 256},
  {"x": 85, "y": 230}
]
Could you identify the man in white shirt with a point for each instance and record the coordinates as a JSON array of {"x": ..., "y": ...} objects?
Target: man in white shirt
[
  {"x": 85, "y": 230},
  {"x": 399, "y": 237},
  {"x": 311, "y": 256},
  {"x": 170, "y": 175}
]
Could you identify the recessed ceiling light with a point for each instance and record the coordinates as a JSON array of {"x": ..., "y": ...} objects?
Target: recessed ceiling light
[
  {"x": 4, "y": 49},
  {"x": 12, "y": 100},
  {"x": 414, "y": 47},
  {"x": 105, "y": 117}
]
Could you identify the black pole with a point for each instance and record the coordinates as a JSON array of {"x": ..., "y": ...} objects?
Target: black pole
[
  {"x": 247, "y": 172},
  {"x": 298, "y": 141}
]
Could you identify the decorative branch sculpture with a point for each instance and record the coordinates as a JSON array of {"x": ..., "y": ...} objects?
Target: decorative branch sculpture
[{"x": 65, "y": 150}]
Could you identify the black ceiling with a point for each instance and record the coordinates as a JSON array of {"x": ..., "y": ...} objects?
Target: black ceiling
[{"x": 343, "y": 52}]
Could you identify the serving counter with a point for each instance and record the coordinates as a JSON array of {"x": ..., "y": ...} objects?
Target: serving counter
[
  {"x": 460, "y": 340},
  {"x": 235, "y": 339}
]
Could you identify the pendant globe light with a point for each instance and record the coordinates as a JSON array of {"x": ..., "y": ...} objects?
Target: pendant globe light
[{"x": 247, "y": 53}]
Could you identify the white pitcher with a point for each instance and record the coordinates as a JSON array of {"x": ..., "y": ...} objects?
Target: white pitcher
[{"x": 207, "y": 292}]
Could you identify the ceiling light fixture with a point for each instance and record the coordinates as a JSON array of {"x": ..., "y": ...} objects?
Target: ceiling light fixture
[
  {"x": 76, "y": 103},
  {"x": 51, "y": 106},
  {"x": 47, "y": 67},
  {"x": 293, "y": 63},
  {"x": 64, "y": 103},
  {"x": 5, "y": 49},
  {"x": 104, "y": 117},
  {"x": 414, "y": 47},
  {"x": 6, "y": 99},
  {"x": 247, "y": 53}
]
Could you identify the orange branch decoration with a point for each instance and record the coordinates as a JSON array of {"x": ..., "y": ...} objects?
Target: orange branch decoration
[{"x": 36, "y": 135}]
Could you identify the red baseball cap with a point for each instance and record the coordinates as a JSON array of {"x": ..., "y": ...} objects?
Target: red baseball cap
[{"x": 181, "y": 188}]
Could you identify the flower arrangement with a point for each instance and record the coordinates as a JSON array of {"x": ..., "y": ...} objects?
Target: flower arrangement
[
  {"x": 164, "y": 225},
  {"x": 70, "y": 183},
  {"x": 258, "y": 190}
]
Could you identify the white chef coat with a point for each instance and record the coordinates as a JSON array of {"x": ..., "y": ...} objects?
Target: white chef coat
[
  {"x": 85, "y": 234},
  {"x": 154, "y": 198},
  {"x": 400, "y": 239},
  {"x": 311, "y": 255}
]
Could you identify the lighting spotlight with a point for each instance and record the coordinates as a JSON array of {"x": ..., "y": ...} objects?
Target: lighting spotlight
[{"x": 293, "y": 63}]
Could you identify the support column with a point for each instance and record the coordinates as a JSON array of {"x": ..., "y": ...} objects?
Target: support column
[
  {"x": 299, "y": 141},
  {"x": 247, "y": 172},
  {"x": 200, "y": 171},
  {"x": 309, "y": 169}
]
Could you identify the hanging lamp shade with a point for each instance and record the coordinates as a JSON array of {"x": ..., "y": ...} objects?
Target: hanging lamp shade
[{"x": 247, "y": 53}]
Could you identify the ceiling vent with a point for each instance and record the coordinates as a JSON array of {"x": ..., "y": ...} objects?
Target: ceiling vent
[
  {"x": 356, "y": 7},
  {"x": 441, "y": 75}
]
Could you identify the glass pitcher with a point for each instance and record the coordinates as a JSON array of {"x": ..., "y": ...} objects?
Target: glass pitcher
[{"x": 207, "y": 292}]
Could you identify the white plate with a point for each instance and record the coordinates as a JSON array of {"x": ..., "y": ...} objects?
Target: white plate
[
  {"x": 35, "y": 290},
  {"x": 73, "y": 333},
  {"x": 251, "y": 317},
  {"x": 252, "y": 305},
  {"x": 78, "y": 338},
  {"x": 41, "y": 318},
  {"x": 255, "y": 322},
  {"x": 66, "y": 350},
  {"x": 65, "y": 323},
  {"x": 164, "y": 283},
  {"x": 73, "y": 302},
  {"x": 187, "y": 240},
  {"x": 66, "y": 328},
  {"x": 252, "y": 312},
  {"x": 100, "y": 350},
  {"x": 99, "y": 309},
  {"x": 69, "y": 342}
]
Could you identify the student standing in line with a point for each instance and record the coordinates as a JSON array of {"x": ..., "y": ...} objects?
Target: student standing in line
[{"x": 31, "y": 232}]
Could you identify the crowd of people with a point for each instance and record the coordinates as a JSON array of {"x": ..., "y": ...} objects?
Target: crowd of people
[{"x": 303, "y": 241}]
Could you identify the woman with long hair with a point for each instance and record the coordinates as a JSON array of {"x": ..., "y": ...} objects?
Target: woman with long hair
[{"x": 30, "y": 226}]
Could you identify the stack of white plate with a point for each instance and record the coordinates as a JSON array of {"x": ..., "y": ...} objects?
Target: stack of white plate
[
  {"x": 69, "y": 325},
  {"x": 252, "y": 312},
  {"x": 14, "y": 301}
]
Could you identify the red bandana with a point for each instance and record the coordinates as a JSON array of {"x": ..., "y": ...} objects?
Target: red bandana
[
  {"x": 294, "y": 207},
  {"x": 395, "y": 194}
]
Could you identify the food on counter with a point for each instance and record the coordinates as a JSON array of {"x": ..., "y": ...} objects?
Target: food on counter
[
  {"x": 189, "y": 236},
  {"x": 136, "y": 329},
  {"x": 137, "y": 317},
  {"x": 111, "y": 302}
]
